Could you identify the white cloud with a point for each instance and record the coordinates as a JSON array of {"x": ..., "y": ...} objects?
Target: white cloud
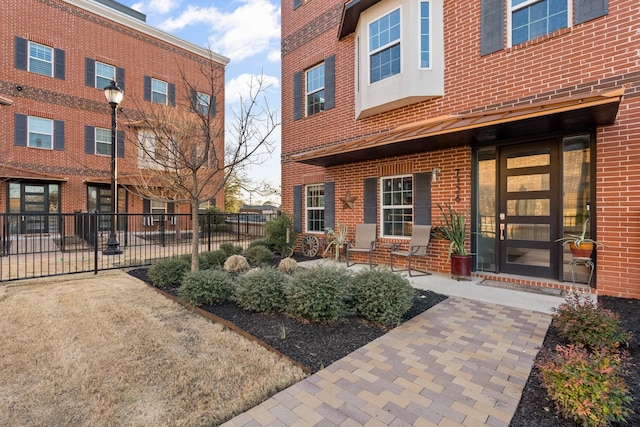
[
  {"x": 160, "y": 7},
  {"x": 250, "y": 29},
  {"x": 240, "y": 86}
]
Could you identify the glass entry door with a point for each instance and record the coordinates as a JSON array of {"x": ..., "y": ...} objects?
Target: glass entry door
[
  {"x": 527, "y": 209},
  {"x": 38, "y": 205}
]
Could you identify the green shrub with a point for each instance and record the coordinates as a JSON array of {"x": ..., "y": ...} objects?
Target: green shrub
[
  {"x": 261, "y": 290},
  {"x": 259, "y": 242},
  {"x": 280, "y": 240},
  {"x": 168, "y": 272},
  {"x": 587, "y": 387},
  {"x": 212, "y": 259},
  {"x": 230, "y": 249},
  {"x": 581, "y": 321},
  {"x": 236, "y": 264},
  {"x": 259, "y": 255},
  {"x": 381, "y": 295},
  {"x": 212, "y": 220},
  {"x": 288, "y": 265},
  {"x": 206, "y": 287},
  {"x": 185, "y": 257},
  {"x": 318, "y": 294}
]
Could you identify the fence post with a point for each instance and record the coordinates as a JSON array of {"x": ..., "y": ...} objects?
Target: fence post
[
  {"x": 209, "y": 230},
  {"x": 96, "y": 219}
]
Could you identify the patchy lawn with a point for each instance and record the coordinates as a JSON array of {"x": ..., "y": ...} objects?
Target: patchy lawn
[{"x": 109, "y": 350}]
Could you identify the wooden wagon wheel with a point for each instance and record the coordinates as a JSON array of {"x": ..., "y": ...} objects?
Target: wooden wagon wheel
[{"x": 310, "y": 245}]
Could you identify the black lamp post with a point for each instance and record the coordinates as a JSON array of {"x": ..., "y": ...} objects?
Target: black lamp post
[{"x": 114, "y": 96}]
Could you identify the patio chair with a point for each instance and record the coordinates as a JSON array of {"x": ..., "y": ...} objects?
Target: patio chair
[
  {"x": 420, "y": 236},
  {"x": 365, "y": 242}
]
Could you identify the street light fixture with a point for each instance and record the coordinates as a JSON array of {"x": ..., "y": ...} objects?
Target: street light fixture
[{"x": 114, "y": 96}]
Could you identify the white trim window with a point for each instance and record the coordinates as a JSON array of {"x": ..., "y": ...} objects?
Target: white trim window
[
  {"x": 40, "y": 59},
  {"x": 397, "y": 205},
  {"x": 158, "y": 209},
  {"x": 40, "y": 133},
  {"x": 103, "y": 141},
  {"x": 425, "y": 34},
  {"x": 159, "y": 91},
  {"x": 529, "y": 19},
  {"x": 384, "y": 46},
  {"x": 314, "y": 200},
  {"x": 203, "y": 103},
  {"x": 315, "y": 89},
  {"x": 104, "y": 74},
  {"x": 155, "y": 152}
]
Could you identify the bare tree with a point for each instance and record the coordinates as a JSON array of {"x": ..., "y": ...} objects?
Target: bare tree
[{"x": 183, "y": 153}]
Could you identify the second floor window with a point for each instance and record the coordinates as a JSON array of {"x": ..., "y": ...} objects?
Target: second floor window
[
  {"x": 40, "y": 59},
  {"x": 159, "y": 91},
  {"x": 103, "y": 142},
  {"x": 104, "y": 74},
  {"x": 203, "y": 103},
  {"x": 425, "y": 34},
  {"x": 315, "y": 207},
  {"x": 535, "y": 18},
  {"x": 40, "y": 133},
  {"x": 384, "y": 46},
  {"x": 315, "y": 89}
]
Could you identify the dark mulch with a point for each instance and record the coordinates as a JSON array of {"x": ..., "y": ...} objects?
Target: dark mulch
[
  {"x": 535, "y": 409},
  {"x": 312, "y": 345}
]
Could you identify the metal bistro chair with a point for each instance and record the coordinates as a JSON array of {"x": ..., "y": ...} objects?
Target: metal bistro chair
[
  {"x": 365, "y": 242},
  {"x": 420, "y": 236}
]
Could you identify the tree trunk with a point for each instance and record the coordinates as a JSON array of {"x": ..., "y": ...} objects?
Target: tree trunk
[{"x": 195, "y": 239}]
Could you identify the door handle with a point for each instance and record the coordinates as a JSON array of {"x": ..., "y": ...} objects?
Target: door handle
[{"x": 502, "y": 231}]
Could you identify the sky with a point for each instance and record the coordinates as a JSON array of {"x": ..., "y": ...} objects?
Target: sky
[{"x": 245, "y": 31}]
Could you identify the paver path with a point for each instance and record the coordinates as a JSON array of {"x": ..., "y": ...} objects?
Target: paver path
[{"x": 461, "y": 363}]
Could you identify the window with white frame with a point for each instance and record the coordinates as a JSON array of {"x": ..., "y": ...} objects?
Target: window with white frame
[
  {"x": 40, "y": 133},
  {"x": 397, "y": 205},
  {"x": 203, "y": 103},
  {"x": 158, "y": 209},
  {"x": 154, "y": 151},
  {"x": 103, "y": 142},
  {"x": 534, "y": 18},
  {"x": 105, "y": 73},
  {"x": 384, "y": 46},
  {"x": 159, "y": 91},
  {"x": 40, "y": 59},
  {"x": 425, "y": 35},
  {"x": 315, "y": 207},
  {"x": 315, "y": 89}
]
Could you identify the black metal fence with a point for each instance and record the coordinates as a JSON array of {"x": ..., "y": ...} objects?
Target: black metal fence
[{"x": 47, "y": 245}]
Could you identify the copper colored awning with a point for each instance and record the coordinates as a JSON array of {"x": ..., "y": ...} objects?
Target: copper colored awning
[
  {"x": 576, "y": 113},
  {"x": 12, "y": 172}
]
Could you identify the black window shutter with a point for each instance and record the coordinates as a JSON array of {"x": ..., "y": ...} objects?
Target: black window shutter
[
  {"x": 212, "y": 106},
  {"x": 587, "y": 10},
  {"x": 58, "y": 64},
  {"x": 146, "y": 206},
  {"x": 171, "y": 207},
  {"x": 330, "y": 82},
  {"x": 20, "y": 130},
  {"x": 297, "y": 4},
  {"x": 329, "y": 205},
  {"x": 58, "y": 135},
  {"x": 89, "y": 72},
  {"x": 120, "y": 143},
  {"x": 297, "y": 96},
  {"x": 89, "y": 140},
  {"x": 297, "y": 208},
  {"x": 422, "y": 198},
  {"x": 492, "y": 26},
  {"x": 21, "y": 53},
  {"x": 147, "y": 88},
  {"x": 194, "y": 99},
  {"x": 120, "y": 77},
  {"x": 172, "y": 94},
  {"x": 370, "y": 201}
]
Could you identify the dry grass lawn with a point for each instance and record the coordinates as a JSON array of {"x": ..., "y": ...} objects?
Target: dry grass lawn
[{"x": 108, "y": 350}]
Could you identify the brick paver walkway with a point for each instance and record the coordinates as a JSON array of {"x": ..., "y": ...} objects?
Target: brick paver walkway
[{"x": 461, "y": 363}]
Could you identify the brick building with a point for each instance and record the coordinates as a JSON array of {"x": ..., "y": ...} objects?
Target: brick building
[
  {"x": 525, "y": 114},
  {"x": 58, "y": 56}
]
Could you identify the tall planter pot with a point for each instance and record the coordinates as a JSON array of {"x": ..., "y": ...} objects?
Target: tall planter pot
[{"x": 461, "y": 267}]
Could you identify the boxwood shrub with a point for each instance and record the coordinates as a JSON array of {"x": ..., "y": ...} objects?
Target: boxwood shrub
[
  {"x": 168, "y": 272},
  {"x": 381, "y": 295},
  {"x": 261, "y": 290},
  {"x": 206, "y": 287}
]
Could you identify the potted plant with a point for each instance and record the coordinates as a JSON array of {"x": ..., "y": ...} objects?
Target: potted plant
[
  {"x": 453, "y": 228},
  {"x": 580, "y": 245},
  {"x": 336, "y": 239}
]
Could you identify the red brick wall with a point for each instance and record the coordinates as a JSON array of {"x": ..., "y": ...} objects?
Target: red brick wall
[
  {"x": 598, "y": 54},
  {"x": 82, "y": 34}
]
